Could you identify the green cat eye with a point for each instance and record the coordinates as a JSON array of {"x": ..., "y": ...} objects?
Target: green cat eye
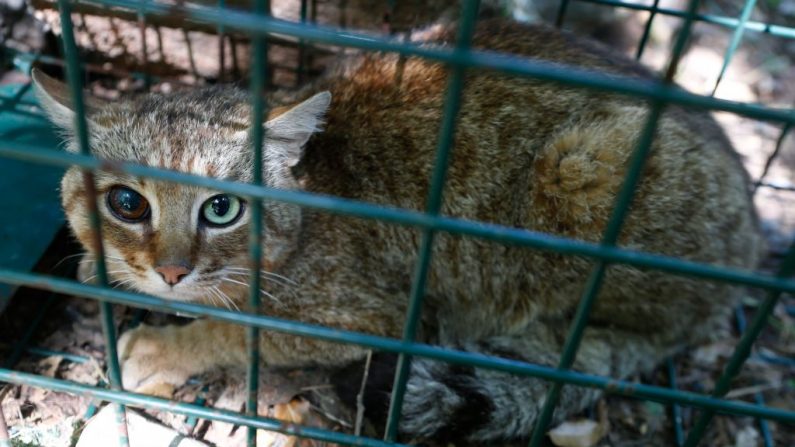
[
  {"x": 127, "y": 205},
  {"x": 222, "y": 210}
]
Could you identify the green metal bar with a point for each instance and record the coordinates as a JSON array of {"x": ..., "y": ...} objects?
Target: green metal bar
[
  {"x": 769, "y": 163},
  {"x": 23, "y": 60},
  {"x": 647, "y": 30},
  {"x": 22, "y": 345},
  {"x": 155, "y": 403},
  {"x": 10, "y": 102},
  {"x": 564, "y": 6},
  {"x": 596, "y": 278},
  {"x": 743, "y": 349},
  {"x": 192, "y": 421},
  {"x": 43, "y": 352},
  {"x": 676, "y": 411},
  {"x": 735, "y": 41},
  {"x": 221, "y": 45},
  {"x": 764, "y": 427},
  {"x": 567, "y": 75},
  {"x": 497, "y": 233},
  {"x": 258, "y": 78},
  {"x": 779, "y": 186},
  {"x": 452, "y": 105},
  {"x": 726, "y": 22},
  {"x": 302, "y": 48},
  {"x": 73, "y": 73},
  {"x": 612, "y": 386},
  {"x": 681, "y": 41},
  {"x": 610, "y": 237},
  {"x": 141, "y": 17}
]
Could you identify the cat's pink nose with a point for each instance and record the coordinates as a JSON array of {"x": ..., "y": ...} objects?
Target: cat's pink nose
[{"x": 172, "y": 274}]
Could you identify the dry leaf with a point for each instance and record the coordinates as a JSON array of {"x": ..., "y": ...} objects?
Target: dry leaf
[
  {"x": 102, "y": 431},
  {"x": 747, "y": 437},
  {"x": 581, "y": 433},
  {"x": 49, "y": 365}
]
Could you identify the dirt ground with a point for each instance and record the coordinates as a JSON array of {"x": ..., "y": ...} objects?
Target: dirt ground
[{"x": 69, "y": 344}]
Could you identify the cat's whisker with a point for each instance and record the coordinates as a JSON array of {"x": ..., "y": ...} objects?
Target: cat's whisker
[
  {"x": 89, "y": 278},
  {"x": 275, "y": 277},
  {"x": 273, "y": 280},
  {"x": 213, "y": 297},
  {"x": 220, "y": 301},
  {"x": 223, "y": 298},
  {"x": 262, "y": 291},
  {"x": 111, "y": 272},
  {"x": 107, "y": 258},
  {"x": 266, "y": 273},
  {"x": 123, "y": 282},
  {"x": 67, "y": 257},
  {"x": 227, "y": 299}
]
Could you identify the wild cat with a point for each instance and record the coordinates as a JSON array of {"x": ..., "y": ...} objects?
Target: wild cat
[{"x": 526, "y": 154}]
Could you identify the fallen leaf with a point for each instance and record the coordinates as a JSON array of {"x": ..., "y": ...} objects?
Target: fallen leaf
[
  {"x": 747, "y": 437},
  {"x": 581, "y": 433},
  {"x": 49, "y": 365}
]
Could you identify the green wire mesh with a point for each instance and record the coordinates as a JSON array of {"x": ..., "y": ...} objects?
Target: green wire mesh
[{"x": 460, "y": 58}]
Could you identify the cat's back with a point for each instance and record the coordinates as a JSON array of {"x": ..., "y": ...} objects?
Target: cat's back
[
  {"x": 383, "y": 127},
  {"x": 538, "y": 155}
]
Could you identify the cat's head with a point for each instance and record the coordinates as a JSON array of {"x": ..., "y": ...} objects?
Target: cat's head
[{"x": 172, "y": 240}]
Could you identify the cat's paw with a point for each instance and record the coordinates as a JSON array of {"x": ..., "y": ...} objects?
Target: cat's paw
[{"x": 151, "y": 361}]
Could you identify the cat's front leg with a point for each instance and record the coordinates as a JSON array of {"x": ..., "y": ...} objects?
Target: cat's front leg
[{"x": 156, "y": 360}]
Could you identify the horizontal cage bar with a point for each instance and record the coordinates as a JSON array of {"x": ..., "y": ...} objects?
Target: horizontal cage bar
[
  {"x": 617, "y": 387},
  {"x": 497, "y": 233},
  {"x": 261, "y": 25}
]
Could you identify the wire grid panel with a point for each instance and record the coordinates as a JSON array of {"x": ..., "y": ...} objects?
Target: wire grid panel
[{"x": 459, "y": 58}]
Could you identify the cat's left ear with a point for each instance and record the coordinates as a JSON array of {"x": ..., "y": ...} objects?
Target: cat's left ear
[
  {"x": 288, "y": 129},
  {"x": 56, "y": 100}
]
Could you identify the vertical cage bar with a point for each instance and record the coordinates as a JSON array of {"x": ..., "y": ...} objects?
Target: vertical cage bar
[
  {"x": 388, "y": 21},
  {"x": 564, "y": 6},
  {"x": 743, "y": 350},
  {"x": 735, "y": 41},
  {"x": 763, "y": 425},
  {"x": 144, "y": 49},
  {"x": 595, "y": 280},
  {"x": 221, "y": 46},
  {"x": 676, "y": 410},
  {"x": 774, "y": 155},
  {"x": 22, "y": 344},
  {"x": 623, "y": 201},
  {"x": 647, "y": 30},
  {"x": 299, "y": 78},
  {"x": 73, "y": 73},
  {"x": 446, "y": 134},
  {"x": 259, "y": 76}
]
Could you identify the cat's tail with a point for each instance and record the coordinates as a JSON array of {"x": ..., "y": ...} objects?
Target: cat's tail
[{"x": 453, "y": 403}]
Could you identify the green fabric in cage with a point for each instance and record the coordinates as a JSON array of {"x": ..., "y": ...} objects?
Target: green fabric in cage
[{"x": 32, "y": 212}]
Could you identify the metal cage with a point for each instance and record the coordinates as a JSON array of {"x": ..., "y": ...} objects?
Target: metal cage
[{"x": 259, "y": 24}]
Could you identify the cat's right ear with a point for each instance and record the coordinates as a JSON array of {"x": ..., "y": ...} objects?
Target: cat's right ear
[
  {"x": 289, "y": 128},
  {"x": 56, "y": 100}
]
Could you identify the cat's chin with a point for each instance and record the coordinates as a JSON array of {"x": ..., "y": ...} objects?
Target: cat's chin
[
  {"x": 185, "y": 294},
  {"x": 197, "y": 295}
]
